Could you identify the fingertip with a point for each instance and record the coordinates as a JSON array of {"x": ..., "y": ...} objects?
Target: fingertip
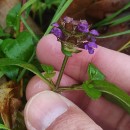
[{"x": 47, "y": 44}]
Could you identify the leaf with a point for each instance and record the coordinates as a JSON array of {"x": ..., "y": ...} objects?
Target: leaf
[
  {"x": 19, "y": 122},
  {"x": 109, "y": 18},
  {"x": 47, "y": 68},
  {"x": 1, "y": 74},
  {"x": 1, "y": 53},
  {"x": 20, "y": 48},
  {"x": 9, "y": 102},
  {"x": 49, "y": 75},
  {"x": 49, "y": 3},
  {"x": 26, "y": 5},
  {"x": 30, "y": 67},
  {"x": 114, "y": 93},
  {"x": 94, "y": 73},
  {"x": 91, "y": 91},
  {"x": 3, "y": 127},
  {"x": 118, "y": 21},
  {"x": 11, "y": 19},
  {"x": 10, "y": 71},
  {"x": 49, "y": 71},
  {"x": 3, "y": 34},
  {"x": 115, "y": 34}
]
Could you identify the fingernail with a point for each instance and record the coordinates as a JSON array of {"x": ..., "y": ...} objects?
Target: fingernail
[{"x": 43, "y": 109}]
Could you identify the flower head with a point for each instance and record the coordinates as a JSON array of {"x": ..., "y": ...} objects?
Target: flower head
[{"x": 73, "y": 33}]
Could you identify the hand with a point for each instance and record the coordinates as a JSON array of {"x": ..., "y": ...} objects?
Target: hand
[{"x": 47, "y": 110}]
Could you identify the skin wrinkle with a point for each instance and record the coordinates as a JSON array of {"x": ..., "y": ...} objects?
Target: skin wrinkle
[
  {"x": 79, "y": 123},
  {"x": 124, "y": 123},
  {"x": 112, "y": 113}
]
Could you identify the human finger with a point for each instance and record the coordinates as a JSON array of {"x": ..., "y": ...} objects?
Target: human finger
[
  {"x": 51, "y": 111},
  {"x": 115, "y": 65}
]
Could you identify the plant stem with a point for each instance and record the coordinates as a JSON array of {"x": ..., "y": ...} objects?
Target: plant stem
[
  {"x": 24, "y": 70},
  {"x": 29, "y": 29},
  {"x": 61, "y": 71},
  {"x": 124, "y": 47}
]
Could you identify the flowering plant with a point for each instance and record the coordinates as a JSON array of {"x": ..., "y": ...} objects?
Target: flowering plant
[{"x": 18, "y": 47}]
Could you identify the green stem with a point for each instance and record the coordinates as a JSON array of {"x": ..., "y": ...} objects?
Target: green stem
[
  {"x": 24, "y": 70},
  {"x": 124, "y": 47},
  {"x": 56, "y": 18},
  {"x": 29, "y": 29},
  {"x": 61, "y": 71},
  {"x": 18, "y": 25}
]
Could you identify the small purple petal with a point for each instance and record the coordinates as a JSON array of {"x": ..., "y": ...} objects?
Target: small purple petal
[
  {"x": 94, "y": 32},
  {"x": 86, "y": 47},
  {"x": 57, "y": 32},
  {"x": 82, "y": 27},
  {"x": 91, "y": 50},
  {"x": 92, "y": 44},
  {"x": 68, "y": 19},
  {"x": 55, "y": 24}
]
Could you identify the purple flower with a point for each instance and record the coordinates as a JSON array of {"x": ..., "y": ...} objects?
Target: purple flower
[
  {"x": 55, "y": 25},
  {"x": 90, "y": 47},
  {"x": 83, "y": 27},
  {"x": 68, "y": 19},
  {"x": 94, "y": 32},
  {"x": 57, "y": 32}
]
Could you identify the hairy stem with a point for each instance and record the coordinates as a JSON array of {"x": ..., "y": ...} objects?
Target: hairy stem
[{"x": 61, "y": 71}]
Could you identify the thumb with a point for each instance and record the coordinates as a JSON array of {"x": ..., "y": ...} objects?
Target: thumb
[{"x": 51, "y": 111}]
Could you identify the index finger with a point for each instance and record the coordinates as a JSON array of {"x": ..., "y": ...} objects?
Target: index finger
[{"x": 115, "y": 65}]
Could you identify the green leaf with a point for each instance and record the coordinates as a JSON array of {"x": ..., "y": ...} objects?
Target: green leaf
[
  {"x": 20, "y": 48},
  {"x": 115, "y": 94},
  {"x": 1, "y": 74},
  {"x": 3, "y": 127},
  {"x": 118, "y": 21},
  {"x": 3, "y": 34},
  {"x": 49, "y": 71},
  {"x": 10, "y": 71},
  {"x": 25, "y": 65},
  {"x": 1, "y": 53},
  {"x": 109, "y": 18},
  {"x": 49, "y": 75},
  {"x": 26, "y": 5},
  {"x": 47, "y": 68},
  {"x": 115, "y": 34},
  {"x": 11, "y": 19},
  {"x": 49, "y": 3},
  {"x": 91, "y": 91},
  {"x": 94, "y": 73}
]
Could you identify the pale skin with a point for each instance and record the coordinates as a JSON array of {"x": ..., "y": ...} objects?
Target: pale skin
[{"x": 47, "y": 110}]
